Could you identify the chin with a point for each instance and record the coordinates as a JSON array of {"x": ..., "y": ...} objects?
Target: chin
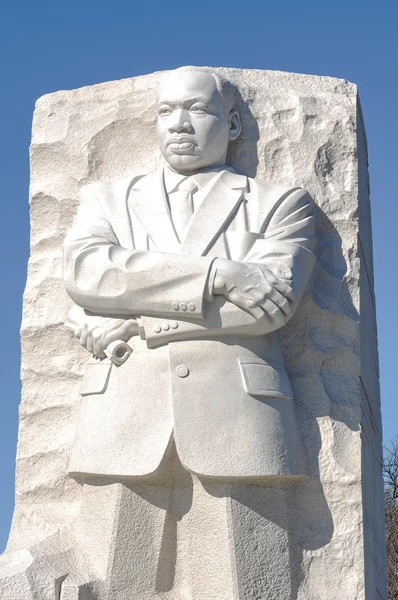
[{"x": 187, "y": 163}]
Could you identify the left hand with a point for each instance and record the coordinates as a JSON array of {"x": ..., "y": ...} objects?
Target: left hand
[{"x": 262, "y": 292}]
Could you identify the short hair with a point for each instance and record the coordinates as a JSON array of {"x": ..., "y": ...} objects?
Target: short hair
[{"x": 225, "y": 88}]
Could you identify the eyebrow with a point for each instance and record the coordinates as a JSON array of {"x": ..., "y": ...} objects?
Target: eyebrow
[{"x": 187, "y": 101}]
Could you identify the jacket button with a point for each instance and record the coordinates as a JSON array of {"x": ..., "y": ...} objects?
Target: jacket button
[
  {"x": 174, "y": 325},
  {"x": 157, "y": 329},
  {"x": 183, "y": 306},
  {"x": 165, "y": 326},
  {"x": 191, "y": 306},
  {"x": 175, "y": 306},
  {"x": 182, "y": 371}
]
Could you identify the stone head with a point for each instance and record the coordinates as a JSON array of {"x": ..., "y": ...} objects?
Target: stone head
[{"x": 196, "y": 119}]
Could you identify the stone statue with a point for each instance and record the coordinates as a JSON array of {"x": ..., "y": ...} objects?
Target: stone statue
[
  {"x": 217, "y": 441},
  {"x": 196, "y": 267},
  {"x": 204, "y": 265}
]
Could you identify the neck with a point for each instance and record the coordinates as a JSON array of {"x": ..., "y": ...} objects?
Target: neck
[{"x": 204, "y": 170}]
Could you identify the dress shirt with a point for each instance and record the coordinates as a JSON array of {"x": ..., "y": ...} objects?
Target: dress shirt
[{"x": 203, "y": 182}]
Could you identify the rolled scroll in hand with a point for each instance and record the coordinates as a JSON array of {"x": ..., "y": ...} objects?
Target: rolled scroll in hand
[{"x": 118, "y": 351}]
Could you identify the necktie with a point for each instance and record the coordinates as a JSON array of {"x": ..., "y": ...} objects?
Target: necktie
[{"x": 181, "y": 204}]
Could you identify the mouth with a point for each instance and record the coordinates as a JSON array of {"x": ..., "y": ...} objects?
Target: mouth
[{"x": 181, "y": 145}]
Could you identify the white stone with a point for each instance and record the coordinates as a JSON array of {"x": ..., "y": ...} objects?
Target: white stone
[{"x": 308, "y": 538}]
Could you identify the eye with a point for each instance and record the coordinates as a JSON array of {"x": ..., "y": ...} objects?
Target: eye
[
  {"x": 199, "y": 109},
  {"x": 165, "y": 111}
]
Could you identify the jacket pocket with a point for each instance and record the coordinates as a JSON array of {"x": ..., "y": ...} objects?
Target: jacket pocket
[
  {"x": 95, "y": 377},
  {"x": 265, "y": 379}
]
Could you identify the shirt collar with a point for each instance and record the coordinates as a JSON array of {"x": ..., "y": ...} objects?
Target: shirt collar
[{"x": 172, "y": 179}]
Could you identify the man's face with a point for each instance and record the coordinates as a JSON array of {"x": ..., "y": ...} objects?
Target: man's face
[{"x": 193, "y": 130}]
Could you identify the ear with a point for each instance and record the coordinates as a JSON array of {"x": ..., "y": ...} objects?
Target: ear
[{"x": 235, "y": 126}]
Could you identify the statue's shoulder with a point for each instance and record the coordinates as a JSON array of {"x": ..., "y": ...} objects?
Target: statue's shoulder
[
  {"x": 110, "y": 186},
  {"x": 115, "y": 191},
  {"x": 270, "y": 194},
  {"x": 265, "y": 188}
]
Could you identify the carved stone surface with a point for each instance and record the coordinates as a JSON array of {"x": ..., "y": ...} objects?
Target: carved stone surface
[{"x": 315, "y": 537}]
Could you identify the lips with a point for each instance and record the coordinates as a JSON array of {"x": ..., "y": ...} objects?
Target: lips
[{"x": 181, "y": 145}]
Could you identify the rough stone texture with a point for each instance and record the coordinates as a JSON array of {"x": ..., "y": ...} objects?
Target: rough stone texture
[{"x": 308, "y": 132}]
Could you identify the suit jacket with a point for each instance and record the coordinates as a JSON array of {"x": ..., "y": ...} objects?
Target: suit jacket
[{"x": 205, "y": 370}]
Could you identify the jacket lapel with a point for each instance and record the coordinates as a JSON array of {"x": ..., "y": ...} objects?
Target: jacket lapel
[
  {"x": 148, "y": 201},
  {"x": 218, "y": 207}
]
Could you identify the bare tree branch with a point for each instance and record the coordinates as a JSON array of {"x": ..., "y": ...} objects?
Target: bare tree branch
[{"x": 390, "y": 475}]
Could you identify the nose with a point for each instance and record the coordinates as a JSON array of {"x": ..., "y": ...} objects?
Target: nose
[{"x": 180, "y": 122}]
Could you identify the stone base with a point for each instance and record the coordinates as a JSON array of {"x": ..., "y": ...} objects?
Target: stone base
[{"x": 176, "y": 537}]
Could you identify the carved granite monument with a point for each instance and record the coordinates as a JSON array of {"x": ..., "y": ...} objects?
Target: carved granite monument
[{"x": 227, "y": 437}]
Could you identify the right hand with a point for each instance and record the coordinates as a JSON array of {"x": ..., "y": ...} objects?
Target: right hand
[
  {"x": 255, "y": 288},
  {"x": 96, "y": 333}
]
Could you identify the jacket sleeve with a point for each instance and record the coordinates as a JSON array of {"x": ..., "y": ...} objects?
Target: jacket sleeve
[
  {"x": 105, "y": 278},
  {"x": 289, "y": 241},
  {"x": 288, "y": 244}
]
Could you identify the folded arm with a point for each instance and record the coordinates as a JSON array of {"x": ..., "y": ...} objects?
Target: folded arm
[
  {"x": 261, "y": 294},
  {"x": 105, "y": 278},
  {"x": 254, "y": 297}
]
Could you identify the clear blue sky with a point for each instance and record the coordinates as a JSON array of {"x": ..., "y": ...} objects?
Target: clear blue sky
[{"x": 50, "y": 45}]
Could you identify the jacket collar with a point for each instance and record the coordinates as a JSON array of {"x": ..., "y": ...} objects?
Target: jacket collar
[
  {"x": 172, "y": 179},
  {"x": 148, "y": 200}
]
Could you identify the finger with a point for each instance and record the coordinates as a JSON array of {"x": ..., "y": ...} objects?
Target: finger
[
  {"x": 260, "y": 316},
  {"x": 285, "y": 289},
  {"x": 89, "y": 342},
  {"x": 281, "y": 302},
  {"x": 274, "y": 313},
  {"x": 83, "y": 337},
  {"x": 99, "y": 347},
  {"x": 78, "y": 330}
]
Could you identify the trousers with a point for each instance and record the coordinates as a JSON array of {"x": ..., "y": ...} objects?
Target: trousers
[{"x": 177, "y": 536}]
